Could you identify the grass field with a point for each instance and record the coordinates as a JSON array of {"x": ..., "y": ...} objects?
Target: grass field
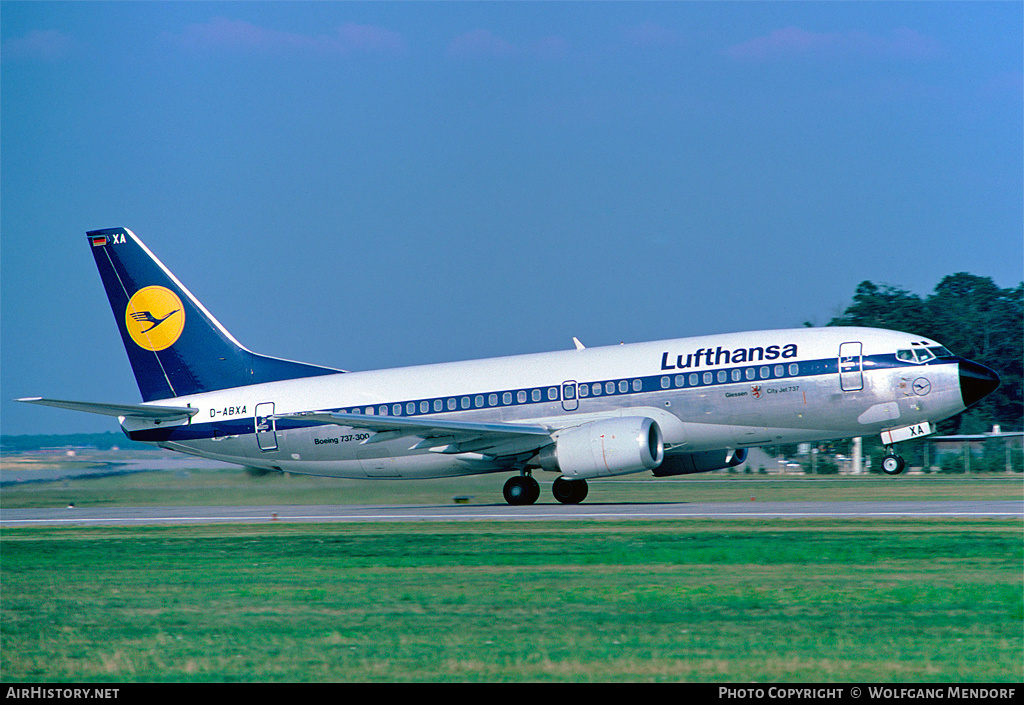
[
  {"x": 913, "y": 600},
  {"x": 699, "y": 600}
]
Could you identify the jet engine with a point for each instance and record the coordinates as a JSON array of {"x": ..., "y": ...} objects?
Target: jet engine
[
  {"x": 604, "y": 448},
  {"x": 688, "y": 463}
]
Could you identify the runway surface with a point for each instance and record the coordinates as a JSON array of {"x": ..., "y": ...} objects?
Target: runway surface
[{"x": 137, "y": 516}]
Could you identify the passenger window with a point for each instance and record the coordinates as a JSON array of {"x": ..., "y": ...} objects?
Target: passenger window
[
  {"x": 764, "y": 372},
  {"x": 584, "y": 390},
  {"x": 623, "y": 387},
  {"x": 478, "y": 400},
  {"x": 452, "y": 403},
  {"x": 708, "y": 378},
  {"x": 506, "y": 398},
  {"x": 383, "y": 411},
  {"x": 438, "y": 405},
  {"x": 751, "y": 373},
  {"x": 410, "y": 408},
  {"x": 492, "y": 400},
  {"x": 693, "y": 379},
  {"x": 666, "y": 382},
  {"x": 396, "y": 409},
  {"x": 424, "y": 407},
  {"x": 780, "y": 371},
  {"x": 535, "y": 395},
  {"x": 369, "y": 411},
  {"x": 609, "y": 388},
  {"x": 638, "y": 385},
  {"x": 568, "y": 391},
  {"x": 597, "y": 389},
  {"x": 552, "y": 393},
  {"x": 794, "y": 369},
  {"x": 464, "y": 402},
  {"x": 679, "y": 380},
  {"x": 521, "y": 396},
  {"x": 723, "y": 376},
  {"x": 737, "y": 375}
]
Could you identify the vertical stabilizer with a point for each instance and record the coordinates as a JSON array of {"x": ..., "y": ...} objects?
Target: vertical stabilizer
[{"x": 176, "y": 347}]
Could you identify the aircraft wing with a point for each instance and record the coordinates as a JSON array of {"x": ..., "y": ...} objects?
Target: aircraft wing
[
  {"x": 439, "y": 435},
  {"x": 137, "y": 411},
  {"x": 978, "y": 436}
]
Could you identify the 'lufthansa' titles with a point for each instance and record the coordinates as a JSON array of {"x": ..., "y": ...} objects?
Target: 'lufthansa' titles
[{"x": 722, "y": 356}]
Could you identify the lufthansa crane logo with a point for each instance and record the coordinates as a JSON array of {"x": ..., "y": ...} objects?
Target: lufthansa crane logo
[{"x": 154, "y": 318}]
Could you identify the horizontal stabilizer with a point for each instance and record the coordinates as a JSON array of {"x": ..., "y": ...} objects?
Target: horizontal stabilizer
[{"x": 137, "y": 411}]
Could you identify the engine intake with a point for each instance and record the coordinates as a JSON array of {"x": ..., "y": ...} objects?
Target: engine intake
[
  {"x": 605, "y": 448},
  {"x": 688, "y": 463}
]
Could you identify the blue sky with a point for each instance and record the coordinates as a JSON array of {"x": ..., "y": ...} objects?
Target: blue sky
[{"x": 368, "y": 185}]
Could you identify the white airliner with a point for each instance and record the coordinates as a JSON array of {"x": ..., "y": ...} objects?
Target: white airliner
[{"x": 670, "y": 407}]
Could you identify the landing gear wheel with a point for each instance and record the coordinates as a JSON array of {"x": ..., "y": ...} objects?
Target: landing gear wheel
[
  {"x": 569, "y": 491},
  {"x": 522, "y": 489},
  {"x": 893, "y": 464},
  {"x": 534, "y": 488}
]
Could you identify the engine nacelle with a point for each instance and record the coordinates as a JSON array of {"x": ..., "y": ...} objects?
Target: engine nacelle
[
  {"x": 688, "y": 463},
  {"x": 604, "y": 448}
]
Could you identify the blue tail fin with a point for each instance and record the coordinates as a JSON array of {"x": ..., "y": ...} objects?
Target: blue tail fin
[{"x": 175, "y": 345}]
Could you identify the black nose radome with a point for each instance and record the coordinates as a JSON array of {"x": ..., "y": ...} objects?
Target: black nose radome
[{"x": 976, "y": 382}]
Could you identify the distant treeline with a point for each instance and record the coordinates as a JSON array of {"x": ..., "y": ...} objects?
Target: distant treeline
[
  {"x": 970, "y": 316},
  {"x": 100, "y": 441}
]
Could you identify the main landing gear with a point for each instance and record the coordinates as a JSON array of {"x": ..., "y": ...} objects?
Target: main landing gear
[
  {"x": 523, "y": 489},
  {"x": 892, "y": 464},
  {"x": 569, "y": 491}
]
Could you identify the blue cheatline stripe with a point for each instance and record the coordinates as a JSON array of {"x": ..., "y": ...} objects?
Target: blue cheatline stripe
[{"x": 615, "y": 387}]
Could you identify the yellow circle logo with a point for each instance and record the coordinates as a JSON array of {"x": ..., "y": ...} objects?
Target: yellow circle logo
[{"x": 155, "y": 318}]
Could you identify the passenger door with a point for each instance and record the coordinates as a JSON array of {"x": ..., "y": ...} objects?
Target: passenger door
[
  {"x": 266, "y": 427},
  {"x": 570, "y": 402},
  {"x": 851, "y": 367}
]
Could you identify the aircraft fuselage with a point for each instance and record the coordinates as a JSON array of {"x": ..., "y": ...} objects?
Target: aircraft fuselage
[{"x": 726, "y": 391}]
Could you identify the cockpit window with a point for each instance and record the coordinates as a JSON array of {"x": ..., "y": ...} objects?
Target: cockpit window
[{"x": 919, "y": 355}]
